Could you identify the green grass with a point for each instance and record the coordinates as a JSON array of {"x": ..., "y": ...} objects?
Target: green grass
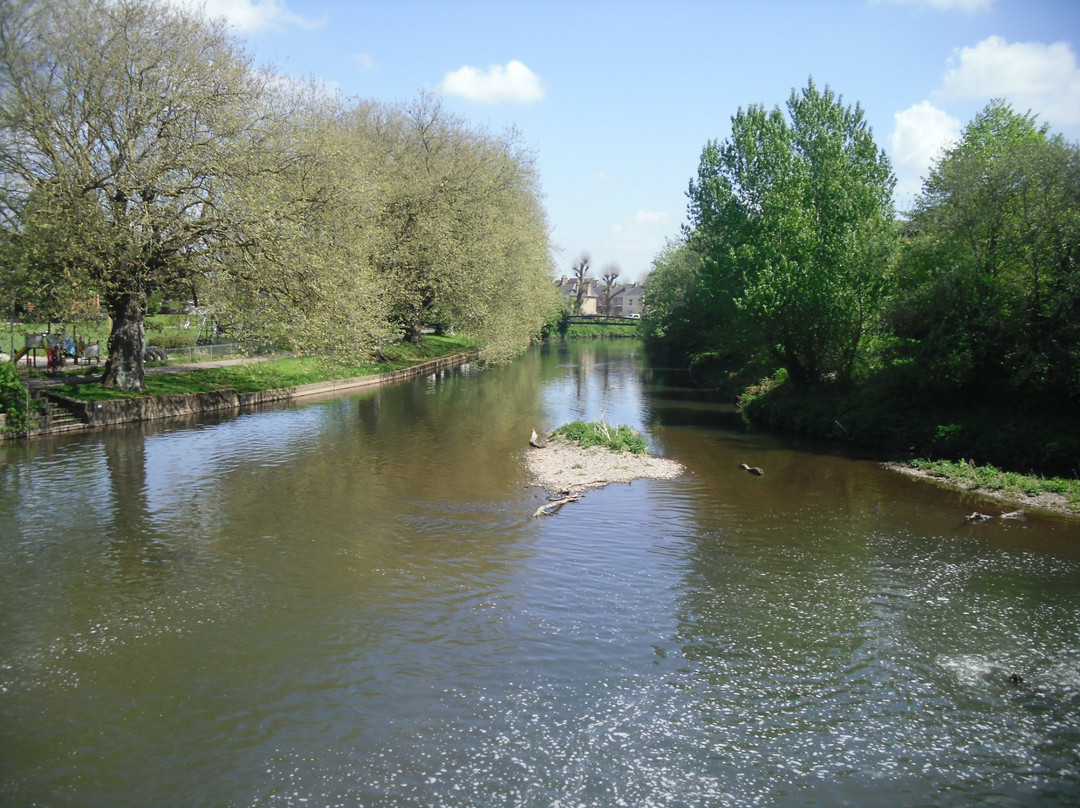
[
  {"x": 270, "y": 374},
  {"x": 605, "y": 331},
  {"x": 166, "y": 330},
  {"x": 586, "y": 434},
  {"x": 967, "y": 475}
]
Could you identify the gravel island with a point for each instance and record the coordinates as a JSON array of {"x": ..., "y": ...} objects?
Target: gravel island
[{"x": 564, "y": 468}]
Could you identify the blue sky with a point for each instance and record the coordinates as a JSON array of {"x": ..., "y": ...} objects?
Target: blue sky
[{"x": 617, "y": 99}]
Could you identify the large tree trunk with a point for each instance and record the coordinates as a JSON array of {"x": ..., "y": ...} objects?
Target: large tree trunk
[
  {"x": 414, "y": 333},
  {"x": 124, "y": 369}
]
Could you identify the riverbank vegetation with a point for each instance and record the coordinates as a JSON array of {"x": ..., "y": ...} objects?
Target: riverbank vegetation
[
  {"x": 586, "y": 434},
  {"x": 965, "y": 474},
  {"x": 953, "y": 332},
  {"x": 271, "y": 374},
  {"x": 601, "y": 329},
  {"x": 164, "y": 167}
]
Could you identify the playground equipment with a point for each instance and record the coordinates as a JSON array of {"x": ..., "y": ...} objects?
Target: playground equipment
[
  {"x": 33, "y": 343},
  {"x": 58, "y": 348}
]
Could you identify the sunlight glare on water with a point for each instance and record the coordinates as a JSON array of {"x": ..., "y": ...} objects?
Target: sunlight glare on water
[{"x": 349, "y": 603}]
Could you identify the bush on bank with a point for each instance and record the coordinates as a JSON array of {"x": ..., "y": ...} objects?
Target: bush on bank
[
  {"x": 1033, "y": 436},
  {"x": 596, "y": 433},
  {"x": 12, "y": 398}
]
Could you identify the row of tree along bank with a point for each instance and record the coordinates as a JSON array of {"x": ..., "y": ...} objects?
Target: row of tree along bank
[
  {"x": 952, "y": 332},
  {"x": 142, "y": 155}
]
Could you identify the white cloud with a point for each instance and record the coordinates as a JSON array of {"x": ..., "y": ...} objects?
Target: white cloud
[
  {"x": 1031, "y": 76},
  {"x": 920, "y": 134},
  {"x": 969, "y": 6},
  {"x": 365, "y": 61},
  {"x": 514, "y": 83},
  {"x": 256, "y": 15}
]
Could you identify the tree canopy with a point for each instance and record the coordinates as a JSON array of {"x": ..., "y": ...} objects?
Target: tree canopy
[
  {"x": 133, "y": 118},
  {"x": 794, "y": 261},
  {"x": 990, "y": 282},
  {"x": 792, "y": 218},
  {"x": 141, "y": 153}
]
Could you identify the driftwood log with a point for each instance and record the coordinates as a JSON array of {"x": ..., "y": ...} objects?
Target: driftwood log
[{"x": 552, "y": 507}]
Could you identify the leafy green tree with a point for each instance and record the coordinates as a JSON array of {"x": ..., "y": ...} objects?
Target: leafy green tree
[
  {"x": 139, "y": 116},
  {"x": 48, "y": 261},
  {"x": 793, "y": 219},
  {"x": 303, "y": 279},
  {"x": 460, "y": 235},
  {"x": 990, "y": 282},
  {"x": 670, "y": 320}
]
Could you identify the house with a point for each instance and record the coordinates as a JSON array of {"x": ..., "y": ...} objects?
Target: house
[
  {"x": 627, "y": 299},
  {"x": 590, "y": 300}
]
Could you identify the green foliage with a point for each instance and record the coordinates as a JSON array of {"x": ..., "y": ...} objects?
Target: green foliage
[
  {"x": 967, "y": 474},
  {"x": 12, "y": 398},
  {"x": 990, "y": 280},
  {"x": 272, "y": 374},
  {"x": 597, "y": 433},
  {"x": 758, "y": 392},
  {"x": 302, "y": 219},
  {"x": 676, "y": 318},
  {"x": 457, "y": 232},
  {"x": 601, "y": 330},
  {"x": 162, "y": 120},
  {"x": 792, "y": 219},
  {"x": 956, "y": 333}
]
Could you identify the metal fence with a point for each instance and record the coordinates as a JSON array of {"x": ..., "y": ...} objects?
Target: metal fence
[{"x": 204, "y": 353}]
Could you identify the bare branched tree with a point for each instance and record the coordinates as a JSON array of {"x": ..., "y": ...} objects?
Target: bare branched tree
[
  {"x": 581, "y": 274},
  {"x": 611, "y": 274}
]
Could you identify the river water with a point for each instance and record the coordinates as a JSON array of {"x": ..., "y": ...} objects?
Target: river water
[{"x": 348, "y": 603}]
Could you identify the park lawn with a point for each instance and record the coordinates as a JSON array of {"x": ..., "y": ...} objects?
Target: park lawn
[
  {"x": 271, "y": 374},
  {"x": 160, "y": 328}
]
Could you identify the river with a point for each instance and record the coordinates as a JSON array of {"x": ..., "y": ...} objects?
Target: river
[{"x": 349, "y": 603}]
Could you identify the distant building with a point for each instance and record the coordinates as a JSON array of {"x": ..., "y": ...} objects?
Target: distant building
[
  {"x": 590, "y": 300},
  {"x": 627, "y": 299}
]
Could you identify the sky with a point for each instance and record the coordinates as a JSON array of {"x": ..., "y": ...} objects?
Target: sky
[{"x": 616, "y": 99}]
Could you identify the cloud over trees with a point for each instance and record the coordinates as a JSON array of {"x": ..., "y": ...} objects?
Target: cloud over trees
[
  {"x": 512, "y": 83},
  {"x": 1032, "y": 76}
]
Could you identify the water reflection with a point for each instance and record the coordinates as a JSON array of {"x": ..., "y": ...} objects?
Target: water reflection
[{"x": 348, "y": 603}]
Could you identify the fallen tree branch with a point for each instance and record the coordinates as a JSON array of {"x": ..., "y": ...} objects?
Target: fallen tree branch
[{"x": 554, "y": 506}]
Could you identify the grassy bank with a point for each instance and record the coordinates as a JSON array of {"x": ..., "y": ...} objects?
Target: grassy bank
[
  {"x": 601, "y": 331},
  {"x": 965, "y": 474},
  {"x": 272, "y": 374},
  {"x": 999, "y": 446}
]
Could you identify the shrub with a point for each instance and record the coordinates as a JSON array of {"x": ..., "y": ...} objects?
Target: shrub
[
  {"x": 618, "y": 439},
  {"x": 171, "y": 340},
  {"x": 12, "y": 398}
]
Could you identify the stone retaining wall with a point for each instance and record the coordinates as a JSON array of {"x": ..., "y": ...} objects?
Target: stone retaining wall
[{"x": 151, "y": 408}]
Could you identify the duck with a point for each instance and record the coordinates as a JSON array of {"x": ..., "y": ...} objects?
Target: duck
[{"x": 752, "y": 469}]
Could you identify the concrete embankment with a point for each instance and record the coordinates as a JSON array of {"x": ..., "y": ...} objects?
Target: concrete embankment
[{"x": 96, "y": 414}]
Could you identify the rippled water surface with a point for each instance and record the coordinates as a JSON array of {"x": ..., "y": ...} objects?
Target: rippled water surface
[{"x": 348, "y": 603}]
